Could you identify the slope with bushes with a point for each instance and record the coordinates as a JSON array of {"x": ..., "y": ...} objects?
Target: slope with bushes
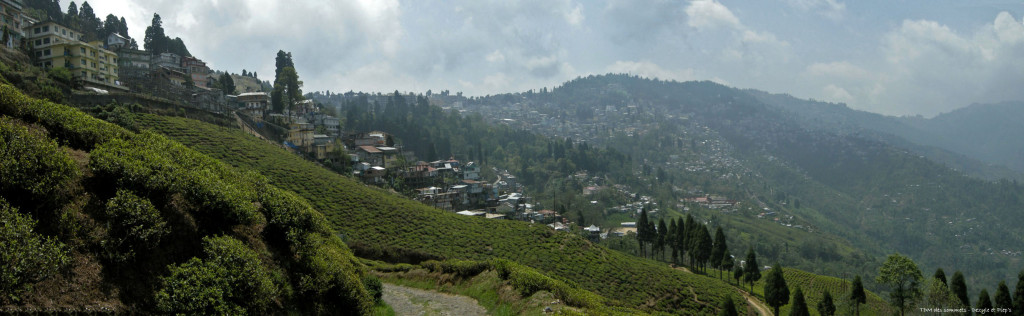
[{"x": 102, "y": 219}]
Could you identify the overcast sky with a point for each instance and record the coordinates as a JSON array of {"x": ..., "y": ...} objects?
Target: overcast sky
[{"x": 891, "y": 57}]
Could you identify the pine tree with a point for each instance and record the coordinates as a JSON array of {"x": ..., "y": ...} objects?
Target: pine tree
[
  {"x": 799, "y": 307},
  {"x": 662, "y": 237},
  {"x": 704, "y": 243},
  {"x": 941, "y": 276},
  {"x": 670, "y": 239},
  {"x": 737, "y": 273},
  {"x": 826, "y": 307},
  {"x": 1018, "y": 295},
  {"x": 726, "y": 265},
  {"x": 857, "y": 295},
  {"x": 776, "y": 292},
  {"x": 959, "y": 289},
  {"x": 718, "y": 250},
  {"x": 155, "y": 41},
  {"x": 1003, "y": 300},
  {"x": 680, "y": 239},
  {"x": 641, "y": 231},
  {"x": 751, "y": 272},
  {"x": 984, "y": 303},
  {"x": 728, "y": 307}
]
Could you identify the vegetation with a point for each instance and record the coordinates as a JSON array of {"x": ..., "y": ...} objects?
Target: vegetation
[
  {"x": 904, "y": 280},
  {"x": 826, "y": 307},
  {"x": 371, "y": 216},
  {"x": 139, "y": 197},
  {"x": 799, "y": 304},
  {"x": 27, "y": 256},
  {"x": 814, "y": 288},
  {"x": 857, "y": 295},
  {"x": 776, "y": 292}
]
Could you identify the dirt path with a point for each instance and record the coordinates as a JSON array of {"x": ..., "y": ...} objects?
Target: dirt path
[
  {"x": 411, "y": 301},
  {"x": 760, "y": 307}
]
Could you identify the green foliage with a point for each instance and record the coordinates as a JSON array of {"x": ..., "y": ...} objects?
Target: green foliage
[
  {"x": 133, "y": 226},
  {"x": 329, "y": 278},
  {"x": 1003, "y": 299},
  {"x": 814, "y": 287},
  {"x": 938, "y": 295},
  {"x": 70, "y": 126},
  {"x": 826, "y": 307},
  {"x": 857, "y": 295},
  {"x": 799, "y": 307},
  {"x": 25, "y": 256},
  {"x": 1018, "y": 295},
  {"x": 959, "y": 288},
  {"x": 776, "y": 292},
  {"x": 153, "y": 164},
  {"x": 374, "y": 287},
  {"x": 528, "y": 281},
  {"x": 751, "y": 270},
  {"x": 728, "y": 308},
  {"x": 460, "y": 268},
  {"x": 231, "y": 280},
  {"x": 370, "y": 216},
  {"x": 984, "y": 302},
  {"x": 120, "y": 114},
  {"x": 30, "y": 162},
  {"x": 903, "y": 278}
]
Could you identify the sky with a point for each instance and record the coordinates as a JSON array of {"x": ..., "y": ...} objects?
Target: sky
[{"x": 891, "y": 57}]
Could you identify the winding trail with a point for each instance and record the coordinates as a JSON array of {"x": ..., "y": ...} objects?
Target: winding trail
[
  {"x": 411, "y": 301},
  {"x": 757, "y": 304}
]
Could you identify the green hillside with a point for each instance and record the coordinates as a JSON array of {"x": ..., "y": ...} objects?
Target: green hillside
[
  {"x": 98, "y": 218},
  {"x": 405, "y": 228},
  {"x": 814, "y": 287}
]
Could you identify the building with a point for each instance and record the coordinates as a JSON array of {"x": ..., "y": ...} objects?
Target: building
[
  {"x": 255, "y": 104},
  {"x": 55, "y": 45},
  {"x": 168, "y": 60},
  {"x": 171, "y": 74},
  {"x": 11, "y": 21},
  {"x": 115, "y": 42},
  {"x": 197, "y": 69},
  {"x": 134, "y": 58}
]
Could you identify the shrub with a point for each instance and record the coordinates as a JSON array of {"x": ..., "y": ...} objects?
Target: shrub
[
  {"x": 132, "y": 224},
  {"x": 329, "y": 277},
  {"x": 374, "y": 286},
  {"x": 31, "y": 162},
  {"x": 231, "y": 280},
  {"x": 26, "y": 256},
  {"x": 76, "y": 129}
]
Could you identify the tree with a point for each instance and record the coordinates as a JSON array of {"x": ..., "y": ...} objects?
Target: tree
[
  {"x": 641, "y": 231},
  {"x": 776, "y": 292},
  {"x": 227, "y": 84},
  {"x": 719, "y": 250},
  {"x": 701, "y": 246},
  {"x": 939, "y": 296},
  {"x": 857, "y": 295},
  {"x": 728, "y": 307},
  {"x": 1018, "y": 295},
  {"x": 751, "y": 273},
  {"x": 959, "y": 288},
  {"x": 984, "y": 303},
  {"x": 941, "y": 276},
  {"x": 799, "y": 304},
  {"x": 1003, "y": 301},
  {"x": 727, "y": 264},
  {"x": 88, "y": 22},
  {"x": 111, "y": 25},
  {"x": 903, "y": 278},
  {"x": 670, "y": 238},
  {"x": 72, "y": 9},
  {"x": 155, "y": 41},
  {"x": 659, "y": 243},
  {"x": 826, "y": 307},
  {"x": 737, "y": 273},
  {"x": 680, "y": 238}
]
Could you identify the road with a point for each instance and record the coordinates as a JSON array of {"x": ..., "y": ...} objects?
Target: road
[{"x": 411, "y": 301}]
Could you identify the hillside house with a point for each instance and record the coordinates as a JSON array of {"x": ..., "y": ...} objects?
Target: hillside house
[
  {"x": 13, "y": 19},
  {"x": 57, "y": 46},
  {"x": 254, "y": 104},
  {"x": 197, "y": 70}
]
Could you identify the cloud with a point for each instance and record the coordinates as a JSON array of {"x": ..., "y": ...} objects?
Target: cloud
[
  {"x": 836, "y": 94},
  {"x": 832, "y": 9},
  {"x": 709, "y": 14},
  {"x": 650, "y": 70}
]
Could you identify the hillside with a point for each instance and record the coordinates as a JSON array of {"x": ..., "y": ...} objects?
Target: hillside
[
  {"x": 879, "y": 197},
  {"x": 382, "y": 225},
  {"x": 99, "y": 218},
  {"x": 814, "y": 287}
]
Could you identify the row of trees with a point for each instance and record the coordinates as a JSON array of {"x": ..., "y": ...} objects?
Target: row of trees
[
  {"x": 157, "y": 42},
  {"x": 908, "y": 289},
  {"x": 82, "y": 18}
]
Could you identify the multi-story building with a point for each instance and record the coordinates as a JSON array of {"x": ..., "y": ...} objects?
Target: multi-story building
[
  {"x": 197, "y": 69},
  {"x": 134, "y": 58},
  {"x": 167, "y": 60},
  {"x": 255, "y": 104},
  {"x": 55, "y": 45},
  {"x": 11, "y": 22}
]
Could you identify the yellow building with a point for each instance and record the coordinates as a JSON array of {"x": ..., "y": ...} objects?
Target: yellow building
[{"x": 55, "y": 45}]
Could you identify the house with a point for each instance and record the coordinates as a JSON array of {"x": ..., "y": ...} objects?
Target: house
[
  {"x": 12, "y": 19},
  {"x": 558, "y": 226},
  {"x": 255, "y": 104},
  {"x": 370, "y": 154},
  {"x": 115, "y": 42},
  {"x": 133, "y": 58},
  {"x": 472, "y": 213},
  {"x": 197, "y": 70},
  {"x": 171, "y": 74},
  {"x": 323, "y": 147},
  {"x": 168, "y": 60},
  {"x": 57, "y": 46},
  {"x": 300, "y": 134},
  {"x": 471, "y": 171}
]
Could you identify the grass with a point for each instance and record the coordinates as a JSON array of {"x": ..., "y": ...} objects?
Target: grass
[{"x": 814, "y": 287}]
